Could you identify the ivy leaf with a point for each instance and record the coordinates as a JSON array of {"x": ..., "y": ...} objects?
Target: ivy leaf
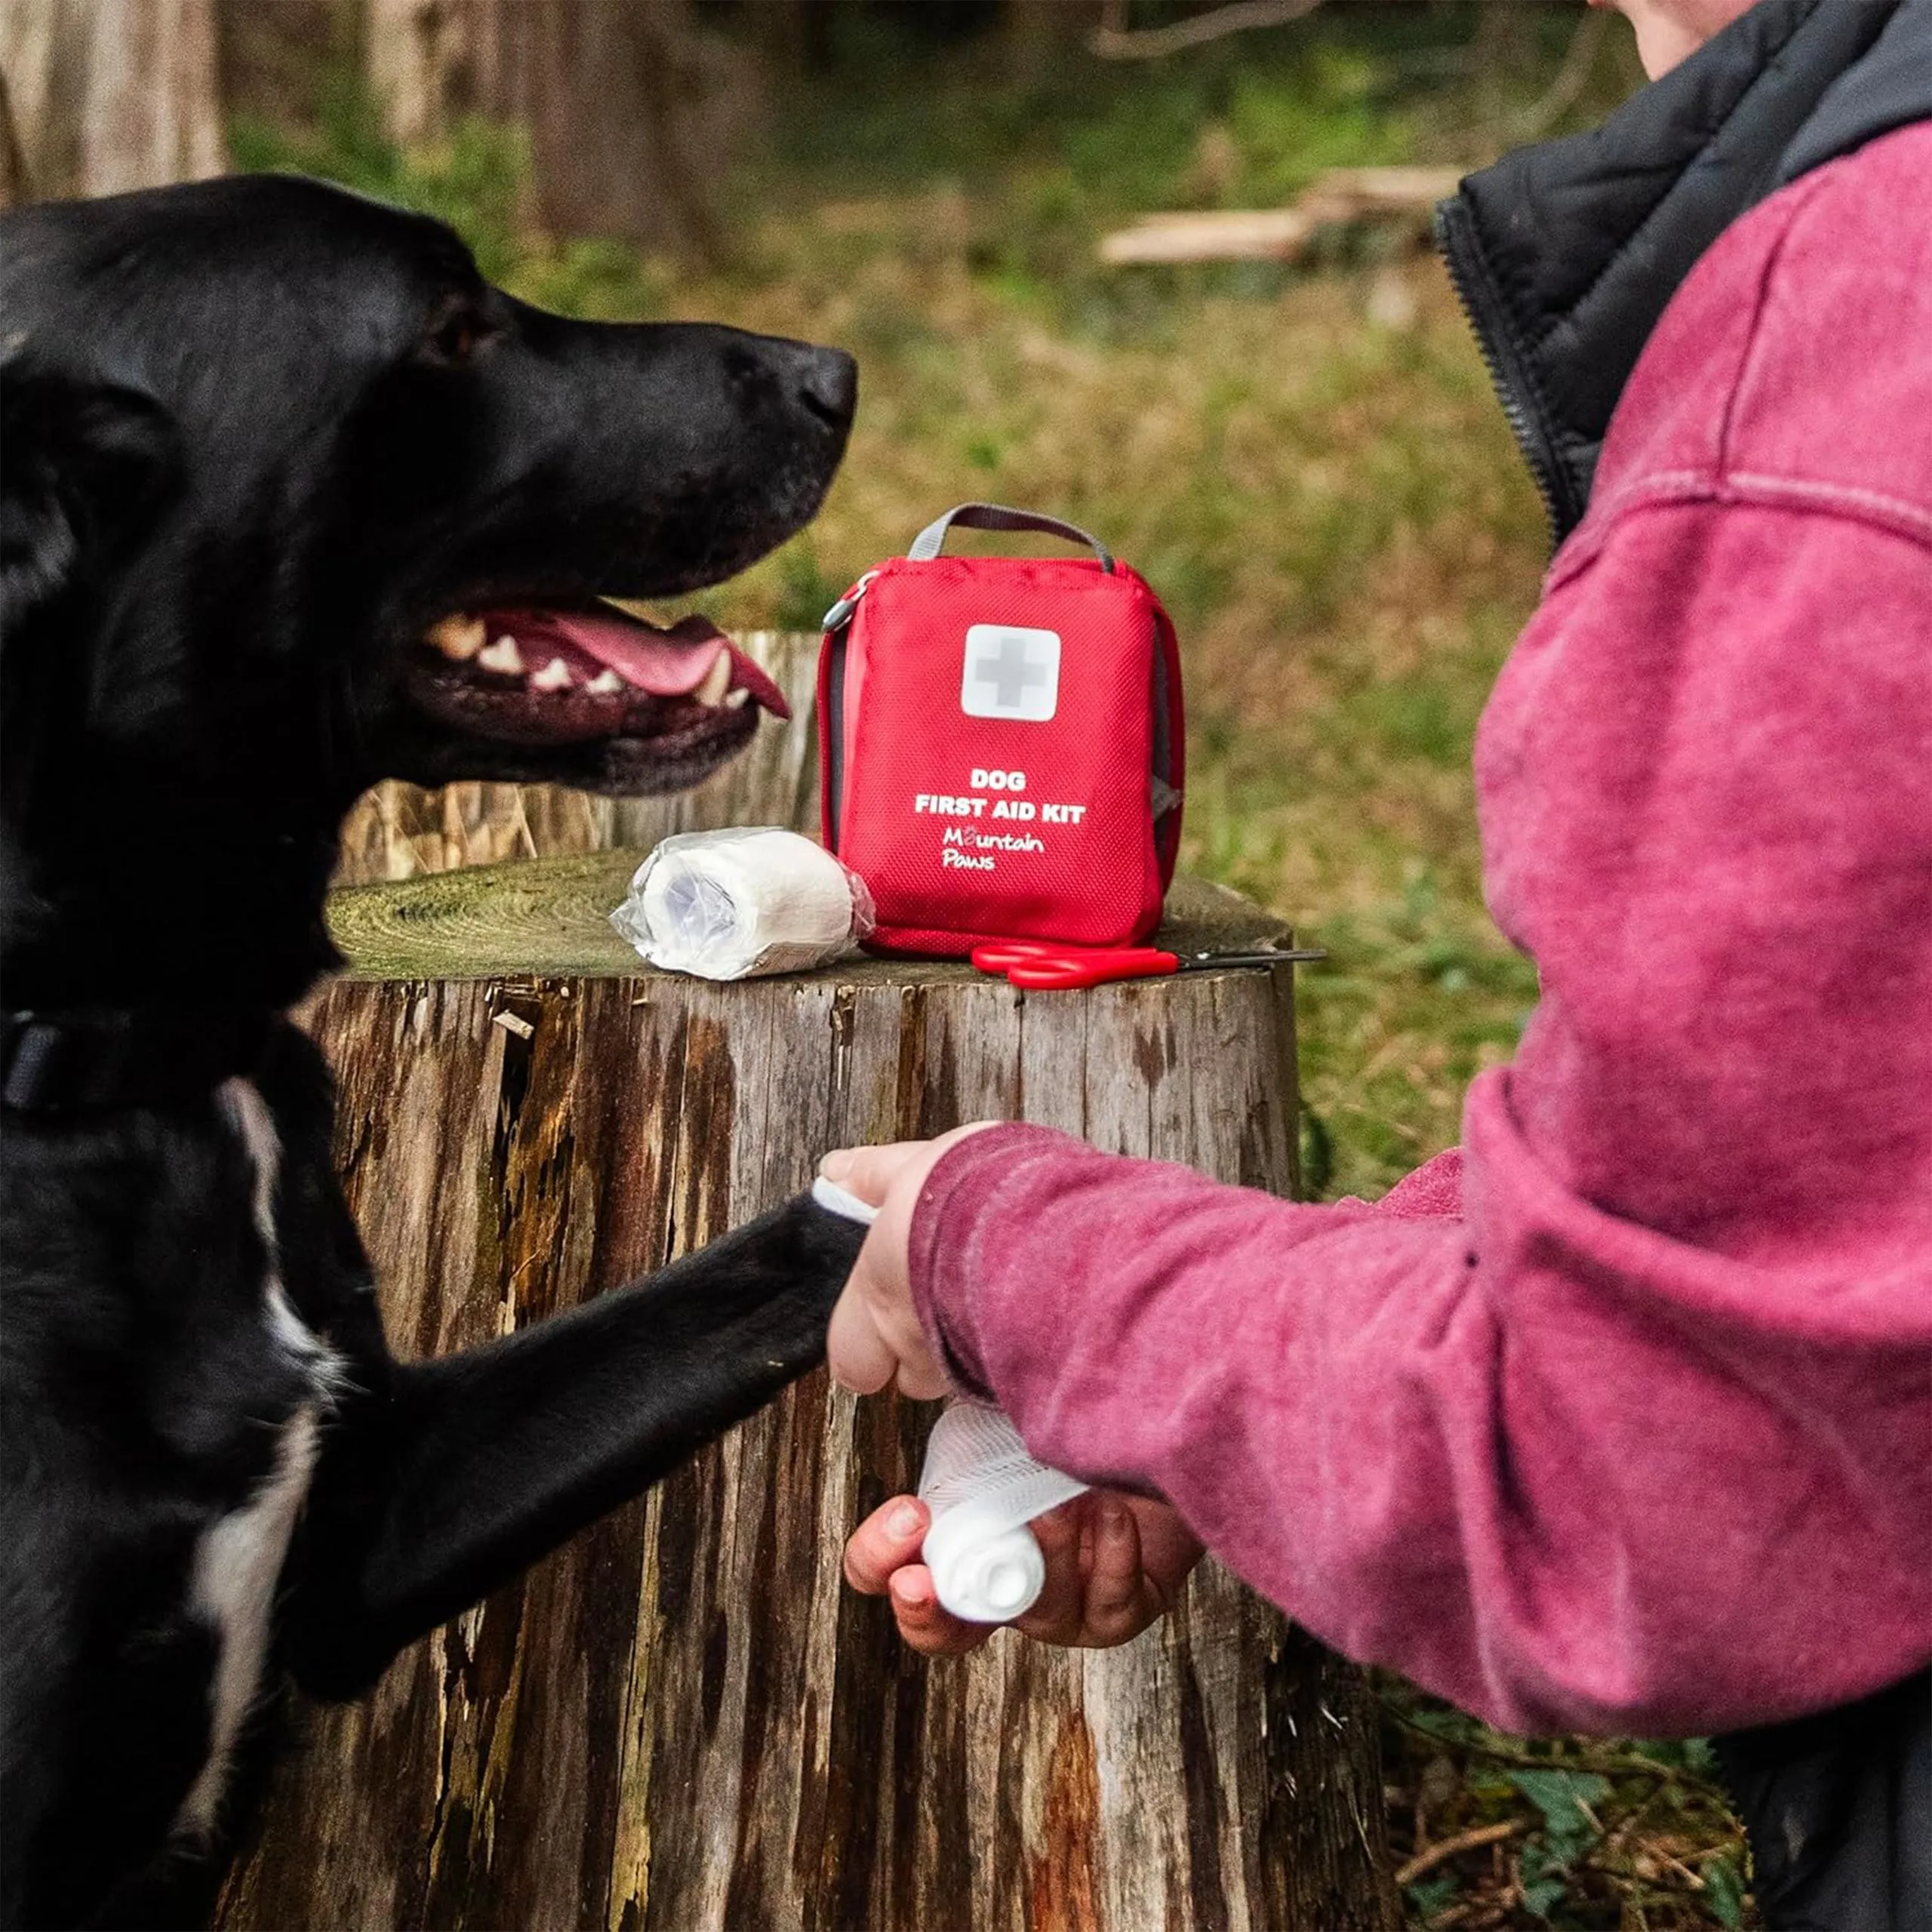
[
  {"x": 1430, "y": 1896},
  {"x": 1724, "y": 1889},
  {"x": 1555, "y": 1794},
  {"x": 1541, "y": 1896},
  {"x": 1544, "y": 1877}
]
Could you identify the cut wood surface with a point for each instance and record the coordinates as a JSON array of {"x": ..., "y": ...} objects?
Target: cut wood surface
[
  {"x": 552, "y": 916},
  {"x": 1227, "y": 235}
]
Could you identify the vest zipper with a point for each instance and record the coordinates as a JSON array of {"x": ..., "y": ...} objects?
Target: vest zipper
[{"x": 1455, "y": 235}]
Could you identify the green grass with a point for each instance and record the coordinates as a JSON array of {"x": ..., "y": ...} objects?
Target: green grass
[{"x": 1310, "y": 467}]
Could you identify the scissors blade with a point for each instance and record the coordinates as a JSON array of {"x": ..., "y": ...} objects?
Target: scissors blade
[{"x": 1208, "y": 962}]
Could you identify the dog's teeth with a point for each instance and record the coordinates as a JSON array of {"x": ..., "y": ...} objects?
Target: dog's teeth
[
  {"x": 458, "y": 638},
  {"x": 606, "y": 684},
  {"x": 554, "y": 676},
  {"x": 717, "y": 681},
  {"x": 735, "y": 700},
  {"x": 502, "y": 656}
]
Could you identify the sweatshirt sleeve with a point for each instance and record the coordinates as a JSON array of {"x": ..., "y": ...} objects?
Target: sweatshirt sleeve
[{"x": 1623, "y": 1422}]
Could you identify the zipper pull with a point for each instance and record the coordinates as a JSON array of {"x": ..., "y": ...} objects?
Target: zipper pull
[{"x": 840, "y": 615}]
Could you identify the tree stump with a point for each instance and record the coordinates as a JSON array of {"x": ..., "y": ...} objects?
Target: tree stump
[{"x": 683, "y": 1720}]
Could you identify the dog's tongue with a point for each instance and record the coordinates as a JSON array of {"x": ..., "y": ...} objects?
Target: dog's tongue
[{"x": 667, "y": 663}]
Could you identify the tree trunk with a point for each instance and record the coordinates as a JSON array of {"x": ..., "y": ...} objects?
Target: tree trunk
[
  {"x": 15, "y": 188},
  {"x": 112, "y": 95},
  {"x": 683, "y": 1720},
  {"x": 276, "y": 58},
  {"x": 629, "y": 110},
  {"x": 1037, "y": 34},
  {"x": 793, "y": 36}
]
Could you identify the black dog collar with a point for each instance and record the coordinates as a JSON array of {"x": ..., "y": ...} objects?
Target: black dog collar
[{"x": 91, "y": 1060}]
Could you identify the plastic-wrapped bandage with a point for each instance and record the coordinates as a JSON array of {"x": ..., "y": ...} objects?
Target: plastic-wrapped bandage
[{"x": 755, "y": 898}]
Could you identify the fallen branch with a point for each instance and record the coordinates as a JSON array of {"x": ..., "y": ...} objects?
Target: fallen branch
[
  {"x": 1608, "y": 1763},
  {"x": 1117, "y": 43},
  {"x": 1469, "y": 1841},
  {"x": 1265, "y": 235},
  {"x": 1342, "y": 195}
]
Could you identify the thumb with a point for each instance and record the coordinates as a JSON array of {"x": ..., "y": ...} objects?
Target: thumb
[{"x": 869, "y": 1172}]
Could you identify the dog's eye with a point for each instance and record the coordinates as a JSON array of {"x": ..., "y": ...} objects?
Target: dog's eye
[{"x": 458, "y": 337}]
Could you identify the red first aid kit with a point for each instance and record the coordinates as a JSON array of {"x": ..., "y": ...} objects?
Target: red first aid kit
[{"x": 999, "y": 742}]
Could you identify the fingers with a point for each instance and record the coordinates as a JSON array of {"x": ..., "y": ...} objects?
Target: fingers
[
  {"x": 882, "y": 1560},
  {"x": 888, "y": 1540},
  {"x": 860, "y": 1357},
  {"x": 1169, "y": 1549},
  {"x": 1099, "y": 1588},
  {"x": 1055, "y": 1617},
  {"x": 875, "y": 1337},
  {"x": 920, "y": 1377},
  {"x": 1117, "y": 1595},
  {"x": 923, "y": 1625}
]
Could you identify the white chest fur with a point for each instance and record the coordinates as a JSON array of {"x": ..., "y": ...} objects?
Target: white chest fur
[{"x": 239, "y": 1560}]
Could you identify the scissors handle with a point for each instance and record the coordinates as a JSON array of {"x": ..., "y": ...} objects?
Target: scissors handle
[
  {"x": 996, "y": 955},
  {"x": 1043, "y": 965},
  {"x": 1066, "y": 970}
]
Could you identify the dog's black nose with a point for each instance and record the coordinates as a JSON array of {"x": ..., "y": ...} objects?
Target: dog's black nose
[{"x": 829, "y": 384}]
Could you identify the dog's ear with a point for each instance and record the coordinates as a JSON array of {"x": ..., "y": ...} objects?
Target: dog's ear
[{"x": 85, "y": 469}]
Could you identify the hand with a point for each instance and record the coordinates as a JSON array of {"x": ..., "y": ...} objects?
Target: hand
[
  {"x": 875, "y": 1337},
  {"x": 1114, "y": 1563}
]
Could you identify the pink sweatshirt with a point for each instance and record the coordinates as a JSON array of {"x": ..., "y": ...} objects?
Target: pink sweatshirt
[{"x": 1619, "y": 1418}]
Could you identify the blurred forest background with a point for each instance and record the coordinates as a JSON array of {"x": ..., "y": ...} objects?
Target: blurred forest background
[{"x": 1295, "y": 440}]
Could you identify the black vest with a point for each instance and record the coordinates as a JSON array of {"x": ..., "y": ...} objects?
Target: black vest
[{"x": 1566, "y": 255}]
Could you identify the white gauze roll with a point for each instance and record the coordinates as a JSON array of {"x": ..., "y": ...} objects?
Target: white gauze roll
[
  {"x": 982, "y": 1489},
  {"x": 757, "y": 899}
]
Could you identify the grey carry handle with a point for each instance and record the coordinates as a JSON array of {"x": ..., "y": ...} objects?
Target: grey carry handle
[{"x": 931, "y": 540}]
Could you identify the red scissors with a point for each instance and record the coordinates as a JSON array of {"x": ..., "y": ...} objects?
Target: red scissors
[{"x": 1041, "y": 966}]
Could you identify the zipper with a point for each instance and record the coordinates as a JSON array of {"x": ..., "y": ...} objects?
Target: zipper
[
  {"x": 1455, "y": 235},
  {"x": 832, "y": 726},
  {"x": 840, "y": 615}
]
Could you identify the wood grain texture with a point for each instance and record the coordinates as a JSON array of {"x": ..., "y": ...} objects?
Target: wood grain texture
[{"x": 682, "y": 1721}]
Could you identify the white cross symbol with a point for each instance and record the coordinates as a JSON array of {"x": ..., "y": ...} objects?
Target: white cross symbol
[{"x": 1011, "y": 671}]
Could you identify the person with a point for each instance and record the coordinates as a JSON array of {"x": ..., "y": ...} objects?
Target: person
[{"x": 1617, "y": 1419}]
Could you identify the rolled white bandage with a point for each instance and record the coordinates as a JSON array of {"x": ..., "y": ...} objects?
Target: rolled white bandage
[
  {"x": 837, "y": 1200},
  {"x": 727, "y": 905},
  {"x": 982, "y": 1489}
]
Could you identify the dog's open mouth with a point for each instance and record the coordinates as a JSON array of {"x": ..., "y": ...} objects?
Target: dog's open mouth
[{"x": 556, "y": 677}]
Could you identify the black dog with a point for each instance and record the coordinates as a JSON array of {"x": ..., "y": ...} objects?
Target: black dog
[{"x": 294, "y": 501}]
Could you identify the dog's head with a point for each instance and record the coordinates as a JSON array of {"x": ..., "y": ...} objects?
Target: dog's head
[{"x": 292, "y": 499}]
